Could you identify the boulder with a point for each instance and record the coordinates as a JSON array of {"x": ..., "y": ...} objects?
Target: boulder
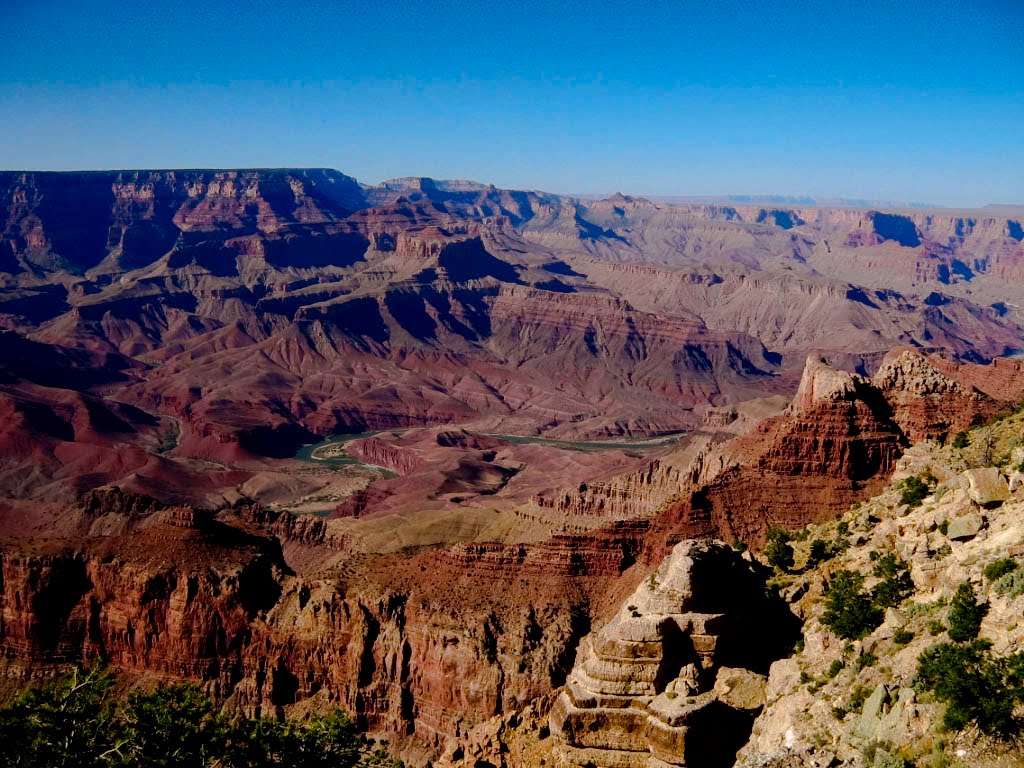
[
  {"x": 741, "y": 688},
  {"x": 987, "y": 486},
  {"x": 965, "y": 527},
  {"x": 1017, "y": 455},
  {"x": 894, "y": 619},
  {"x": 866, "y": 727}
]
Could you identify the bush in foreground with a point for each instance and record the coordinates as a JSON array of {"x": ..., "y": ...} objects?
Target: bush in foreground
[
  {"x": 895, "y": 585},
  {"x": 965, "y": 614},
  {"x": 778, "y": 551},
  {"x": 849, "y": 612},
  {"x": 913, "y": 491},
  {"x": 77, "y": 722},
  {"x": 975, "y": 686},
  {"x": 999, "y": 568}
]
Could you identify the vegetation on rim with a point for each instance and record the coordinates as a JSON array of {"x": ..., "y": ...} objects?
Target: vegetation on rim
[{"x": 78, "y": 721}]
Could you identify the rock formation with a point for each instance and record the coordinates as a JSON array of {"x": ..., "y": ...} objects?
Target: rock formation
[
  {"x": 670, "y": 679},
  {"x": 838, "y": 702},
  {"x": 927, "y": 403}
]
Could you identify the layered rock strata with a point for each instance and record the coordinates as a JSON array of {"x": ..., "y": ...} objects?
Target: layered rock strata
[
  {"x": 665, "y": 682},
  {"x": 837, "y": 443},
  {"x": 221, "y": 316}
]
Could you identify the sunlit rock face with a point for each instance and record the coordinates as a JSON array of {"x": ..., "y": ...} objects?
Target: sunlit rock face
[{"x": 673, "y": 678}]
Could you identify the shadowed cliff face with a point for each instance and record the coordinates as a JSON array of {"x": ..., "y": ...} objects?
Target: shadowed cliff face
[{"x": 406, "y": 644}]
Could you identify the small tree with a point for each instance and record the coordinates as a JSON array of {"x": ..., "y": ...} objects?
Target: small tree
[
  {"x": 75, "y": 722},
  {"x": 986, "y": 445},
  {"x": 896, "y": 585},
  {"x": 913, "y": 491},
  {"x": 960, "y": 440},
  {"x": 820, "y": 551},
  {"x": 848, "y": 611},
  {"x": 999, "y": 568},
  {"x": 323, "y": 742},
  {"x": 779, "y": 552},
  {"x": 66, "y": 723},
  {"x": 965, "y": 614},
  {"x": 974, "y": 686},
  {"x": 173, "y": 725}
]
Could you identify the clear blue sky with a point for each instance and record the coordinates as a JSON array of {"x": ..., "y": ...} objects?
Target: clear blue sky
[{"x": 901, "y": 99}]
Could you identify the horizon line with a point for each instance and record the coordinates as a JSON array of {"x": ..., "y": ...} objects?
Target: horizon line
[{"x": 739, "y": 198}]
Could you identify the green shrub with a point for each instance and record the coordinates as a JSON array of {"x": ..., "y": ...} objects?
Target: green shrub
[
  {"x": 819, "y": 551},
  {"x": 848, "y": 611},
  {"x": 779, "y": 552},
  {"x": 835, "y": 667},
  {"x": 999, "y": 568},
  {"x": 965, "y": 615},
  {"x": 69, "y": 722},
  {"x": 854, "y": 704},
  {"x": 913, "y": 491},
  {"x": 974, "y": 686},
  {"x": 877, "y": 756},
  {"x": 896, "y": 585},
  {"x": 172, "y": 725},
  {"x": 77, "y": 722},
  {"x": 857, "y": 698},
  {"x": 903, "y": 637},
  {"x": 1011, "y": 584},
  {"x": 960, "y": 440},
  {"x": 865, "y": 659}
]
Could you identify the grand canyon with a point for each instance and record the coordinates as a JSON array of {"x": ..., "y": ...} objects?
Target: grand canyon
[{"x": 496, "y": 471}]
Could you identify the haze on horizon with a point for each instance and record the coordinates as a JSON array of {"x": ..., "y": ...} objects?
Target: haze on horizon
[{"x": 921, "y": 102}]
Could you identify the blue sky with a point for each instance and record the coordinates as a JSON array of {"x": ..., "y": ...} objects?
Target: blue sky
[{"x": 911, "y": 100}]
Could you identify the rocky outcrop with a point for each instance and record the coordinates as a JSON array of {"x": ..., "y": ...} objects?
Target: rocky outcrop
[
  {"x": 927, "y": 403},
  {"x": 669, "y": 680},
  {"x": 695, "y": 460},
  {"x": 834, "y": 443},
  {"x": 177, "y": 597},
  {"x": 820, "y": 381},
  {"x": 382, "y": 454},
  {"x": 638, "y": 494},
  {"x": 825, "y": 705}
]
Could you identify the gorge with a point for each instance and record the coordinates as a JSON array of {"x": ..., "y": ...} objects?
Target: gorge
[{"x": 169, "y": 340}]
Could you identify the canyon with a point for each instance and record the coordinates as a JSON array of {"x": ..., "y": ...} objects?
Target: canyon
[{"x": 169, "y": 340}]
